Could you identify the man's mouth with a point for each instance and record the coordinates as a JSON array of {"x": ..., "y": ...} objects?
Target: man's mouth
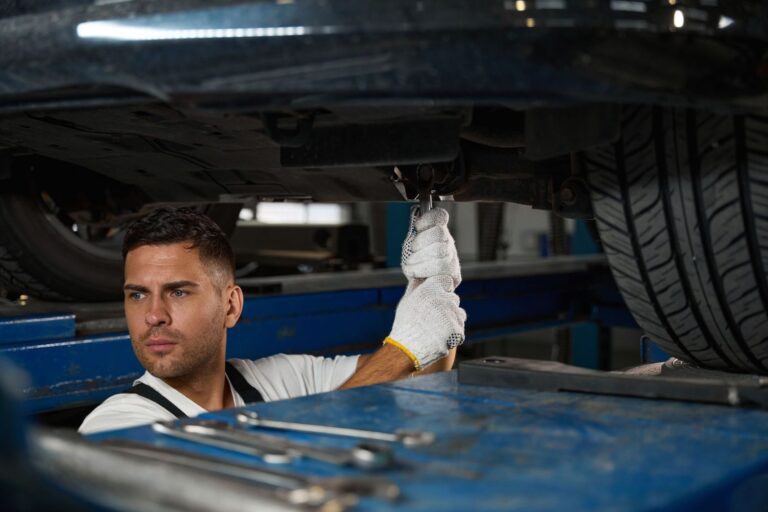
[{"x": 160, "y": 345}]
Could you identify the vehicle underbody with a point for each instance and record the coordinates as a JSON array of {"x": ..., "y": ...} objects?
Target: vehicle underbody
[{"x": 588, "y": 111}]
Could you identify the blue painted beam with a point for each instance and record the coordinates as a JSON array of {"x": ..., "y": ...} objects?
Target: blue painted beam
[{"x": 21, "y": 329}]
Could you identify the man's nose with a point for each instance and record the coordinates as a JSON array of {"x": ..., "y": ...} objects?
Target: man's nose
[{"x": 157, "y": 314}]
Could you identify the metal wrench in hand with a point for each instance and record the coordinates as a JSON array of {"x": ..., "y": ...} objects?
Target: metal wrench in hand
[
  {"x": 406, "y": 437},
  {"x": 425, "y": 174}
]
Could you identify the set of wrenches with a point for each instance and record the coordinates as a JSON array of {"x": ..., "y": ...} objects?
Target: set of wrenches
[
  {"x": 248, "y": 437},
  {"x": 279, "y": 450}
]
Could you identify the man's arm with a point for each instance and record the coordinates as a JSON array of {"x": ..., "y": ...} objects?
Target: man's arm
[
  {"x": 428, "y": 319},
  {"x": 390, "y": 363},
  {"x": 442, "y": 365}
]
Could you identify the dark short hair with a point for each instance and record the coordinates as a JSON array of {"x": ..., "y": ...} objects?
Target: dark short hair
[{"x": 165, "y": 226}]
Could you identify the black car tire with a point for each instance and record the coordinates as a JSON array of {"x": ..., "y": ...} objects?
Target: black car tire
[
  {"x": 41, "y": 257},
  {"x": 681, "y": 203}
]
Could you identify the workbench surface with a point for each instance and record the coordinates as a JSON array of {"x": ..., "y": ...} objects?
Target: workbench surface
[{"x": 507, "y": 449}]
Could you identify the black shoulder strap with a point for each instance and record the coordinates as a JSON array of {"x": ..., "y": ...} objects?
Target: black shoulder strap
[
  {"x": 150, "y": 393},
  {"x": 249, "y": 393}
]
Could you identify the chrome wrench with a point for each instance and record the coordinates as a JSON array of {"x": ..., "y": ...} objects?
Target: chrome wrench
[
  {"x": 266, "y": 453},
  {"x": 426, "y": 179},
  {"x": 406, "y": 437},
  {"x": 123, "y": 480},
  {"x": 362, "y": 456},
  {"x": 301, "y": 489}
]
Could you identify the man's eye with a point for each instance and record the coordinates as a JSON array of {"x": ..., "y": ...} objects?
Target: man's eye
[
  {"x": 136, "y": 295},
  {"x": 178, "y": 293}
]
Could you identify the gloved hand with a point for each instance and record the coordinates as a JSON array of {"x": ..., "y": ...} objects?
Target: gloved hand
[
  {"x": 429, "y": 249},
  {"x": 428, "y": 322}
]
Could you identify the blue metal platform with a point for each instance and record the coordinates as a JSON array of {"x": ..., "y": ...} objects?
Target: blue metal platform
[{"x": 506, "y": 449}]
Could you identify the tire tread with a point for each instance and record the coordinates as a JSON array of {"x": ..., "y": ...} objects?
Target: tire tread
[{"x": 681, "y": 203}]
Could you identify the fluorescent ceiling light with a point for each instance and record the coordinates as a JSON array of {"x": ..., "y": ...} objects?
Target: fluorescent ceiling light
[{"x": 121, "y": 32}]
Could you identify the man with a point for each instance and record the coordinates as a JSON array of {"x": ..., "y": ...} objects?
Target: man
[{"x": 180, "y": 298}]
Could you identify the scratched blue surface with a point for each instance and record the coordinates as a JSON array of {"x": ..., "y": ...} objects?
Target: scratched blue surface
[{"x": 504, "y": 449}]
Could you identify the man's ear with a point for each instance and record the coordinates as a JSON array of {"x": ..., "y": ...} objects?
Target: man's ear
[{"x": 235, "y": 305}]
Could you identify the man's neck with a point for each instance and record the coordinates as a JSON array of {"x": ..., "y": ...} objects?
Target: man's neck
[{"x": 207, "y": 388}]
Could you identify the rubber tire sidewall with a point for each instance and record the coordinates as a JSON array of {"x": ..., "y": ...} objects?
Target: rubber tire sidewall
[{"x": 52, "y": 266}]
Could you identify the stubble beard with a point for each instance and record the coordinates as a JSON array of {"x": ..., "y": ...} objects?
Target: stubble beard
[{"x": 187, "y": 357}]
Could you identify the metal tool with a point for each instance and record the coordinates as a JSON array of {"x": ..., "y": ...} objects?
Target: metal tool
[
  {"x": 121, "y": 479},
  {"x": 703, "y": 386},
  {"x": 406, "y": 437},
  {"x": 192, "y": 432},
  {"x": 299, "y": 489},
  {"x": 362, "y": 456},
  {"x": 327, "y": 494},
  {"x": 426, "y": 179}
]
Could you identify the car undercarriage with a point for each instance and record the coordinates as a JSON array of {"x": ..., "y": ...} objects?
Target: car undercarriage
[{"x": 638, "y": 114}]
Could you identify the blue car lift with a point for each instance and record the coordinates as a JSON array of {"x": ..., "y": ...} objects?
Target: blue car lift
[
  {"x": 82, "y": 355},
  {"x": 497, "y": 447}
]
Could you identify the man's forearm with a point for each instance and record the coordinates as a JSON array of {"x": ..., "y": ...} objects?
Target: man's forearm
[
  {"x": 389, "y": 363},
  {"x": 441, "y": 365}
]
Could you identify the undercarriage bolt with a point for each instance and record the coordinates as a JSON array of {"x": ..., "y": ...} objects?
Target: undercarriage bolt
[{"x": 567, "y": 195}]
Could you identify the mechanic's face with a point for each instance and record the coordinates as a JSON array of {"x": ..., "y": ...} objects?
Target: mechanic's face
[{"x": 177, "y": 310}]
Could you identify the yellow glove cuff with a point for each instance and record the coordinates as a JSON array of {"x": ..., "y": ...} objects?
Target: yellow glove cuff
[{"x": 390, "y": 341}]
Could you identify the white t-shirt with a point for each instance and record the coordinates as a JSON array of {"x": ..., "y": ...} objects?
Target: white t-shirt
[{"x": 276, "y": 377}]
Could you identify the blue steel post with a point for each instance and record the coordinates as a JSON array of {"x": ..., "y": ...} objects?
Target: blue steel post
[
  {"x": 590, "y": 343},
  {"x": 398, "y": 219}
]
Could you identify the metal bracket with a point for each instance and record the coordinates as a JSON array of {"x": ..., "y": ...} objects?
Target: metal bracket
[
  {"x": 571, "y": 199},
  {"x": 289, "y": 138},
  {"x": 554, "y": 376}
]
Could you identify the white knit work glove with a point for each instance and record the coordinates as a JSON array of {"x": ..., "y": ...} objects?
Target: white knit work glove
[
  {"x": 429, "y": 249},
  {"x": 428, "y": 322}
]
